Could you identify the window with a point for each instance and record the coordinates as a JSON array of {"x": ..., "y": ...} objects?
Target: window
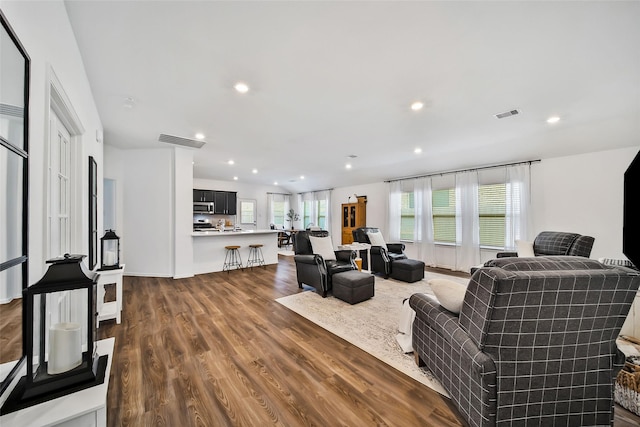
[
  {"x": 247, "y": 212},
  {"x": 317, "y": 216},
  {"x": 407, "y": 216},
  {"x": 444, "y": 215},
  {"x": 322, "y": 214},
  {"x": 492, "y": 210},
  {"x": 278, "y": 213}
]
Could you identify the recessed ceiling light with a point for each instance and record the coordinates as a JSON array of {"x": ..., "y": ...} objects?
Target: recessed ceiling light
[
  {"x": 418, "y": 150},
  {"x": 254, "y": 171},
  {"x": 348, "y": 166},
  {"x": 235, "y": 178},
  {"x": 230, "y": 162},
  {"x": 301, "y": 176},
  {"x": 417, "y": 106},
  {"x": 199, "y": 135},
  {"x": 275, "y": 183},
  {"x": 554, "y": 119},
  {"x": 241, "y": 87}
]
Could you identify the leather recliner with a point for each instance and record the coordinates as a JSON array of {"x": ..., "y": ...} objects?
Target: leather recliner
[
  {"x": 381, "y": 258},
  {"x": 312, "y": 269}
]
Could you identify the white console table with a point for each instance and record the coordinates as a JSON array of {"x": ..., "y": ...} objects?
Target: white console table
[
  {"x": 84, "y": 408},
  {"x": 112, "y": 309}
]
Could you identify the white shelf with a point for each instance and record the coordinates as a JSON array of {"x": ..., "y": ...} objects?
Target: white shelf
[{"x": 86, "y": 407}]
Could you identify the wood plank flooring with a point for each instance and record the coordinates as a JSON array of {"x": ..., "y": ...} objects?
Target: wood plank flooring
[{"x": 218, "y": 350}]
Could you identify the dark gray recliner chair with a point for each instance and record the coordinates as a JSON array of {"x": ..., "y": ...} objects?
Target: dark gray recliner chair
[
  {"x": 534, "y": 343},
  {"x": 314, "y": 270},
  {"x": 558, "y": 243},
  {"x": 381, "y": 258}
]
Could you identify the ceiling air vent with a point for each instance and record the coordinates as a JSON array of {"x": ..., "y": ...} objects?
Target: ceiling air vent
[
  {"x": 507, "y": 114},
  {"x": 177, "y": 140}
]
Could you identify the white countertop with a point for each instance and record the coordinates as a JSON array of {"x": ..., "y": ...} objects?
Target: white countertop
[{"x": 231, "y": 233}]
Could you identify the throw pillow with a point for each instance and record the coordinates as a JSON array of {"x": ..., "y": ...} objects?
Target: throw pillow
[
  {"x": 450, "y": 294},
  {"x": 524, "y": 249},
  {"x": 323, "y": 246},
  {"x": 376, "y": 239}
]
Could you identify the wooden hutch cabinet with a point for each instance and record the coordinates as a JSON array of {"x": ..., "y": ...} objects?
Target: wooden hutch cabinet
[{"x": 354, "y": 215}]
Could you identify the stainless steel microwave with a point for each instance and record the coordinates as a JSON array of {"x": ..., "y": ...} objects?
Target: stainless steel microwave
[{"x": 203, "y": 207}]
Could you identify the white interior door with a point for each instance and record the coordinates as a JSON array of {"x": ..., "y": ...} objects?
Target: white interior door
[
  {"x": 248, "y": 219},
  {"x": 59, "y": 206}
]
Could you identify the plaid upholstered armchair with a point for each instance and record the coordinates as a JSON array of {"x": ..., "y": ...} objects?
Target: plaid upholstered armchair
[
  {"x": 534, "y": 343},
  {"x": 558, "y": 243}
]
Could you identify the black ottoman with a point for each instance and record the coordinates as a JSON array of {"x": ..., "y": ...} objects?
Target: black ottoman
[
  {"x": 353, "y": 286},
  {"x": 407, "y": 270}
]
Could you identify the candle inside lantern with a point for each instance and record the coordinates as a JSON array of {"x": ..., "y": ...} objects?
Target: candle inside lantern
[
  {"x": 109, "y": 258},
  {"x": 65, "y": 347}
]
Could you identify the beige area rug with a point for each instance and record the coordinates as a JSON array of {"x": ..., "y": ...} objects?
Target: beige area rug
[
  {"x": 371, "y": 325},
  {"x": 285, "y": 252}
]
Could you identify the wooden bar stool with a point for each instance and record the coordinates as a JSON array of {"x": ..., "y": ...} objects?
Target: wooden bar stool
[
  {"x": 255, "y": 255},
  {"x": 232, "y": 258}
]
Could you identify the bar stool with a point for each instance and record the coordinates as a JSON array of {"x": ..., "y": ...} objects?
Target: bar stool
[
  {"x": 255, "y": 255},
  {"x": 232, "y": 258}
]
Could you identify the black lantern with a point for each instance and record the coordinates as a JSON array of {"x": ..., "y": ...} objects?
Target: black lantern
[
  {"x": 60, "y": 333},
  {"x": 110, "y": 254}
]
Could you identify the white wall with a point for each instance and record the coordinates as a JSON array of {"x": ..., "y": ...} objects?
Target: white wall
[
  {"x": 46, "y": 34},
  {"x": 147, "y": 237},
  {"x": 183, "y": 208},
  {"x": 583, "y": 194}
]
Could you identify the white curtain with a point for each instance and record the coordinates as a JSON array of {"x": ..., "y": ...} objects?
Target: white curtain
[
  {"x": 518, "y": 204},
  {"x": 394, "y": 208},
  {"x": 325, "y": 196},
  {"x": 467, "y": 221},
  {"x": 424, "y": 221}
]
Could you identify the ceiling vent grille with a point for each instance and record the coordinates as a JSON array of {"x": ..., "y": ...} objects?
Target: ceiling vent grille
[
  {"x": 177, "y": 140},
  {"x": 507, "y": 114}
]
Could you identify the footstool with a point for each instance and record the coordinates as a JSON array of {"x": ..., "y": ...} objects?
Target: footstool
[
  {"x": 407, "y": 270},
  {"x": 353, "y": 286}
]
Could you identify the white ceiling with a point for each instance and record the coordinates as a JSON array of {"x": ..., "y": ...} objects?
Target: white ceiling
[{"x": 332, "y": 79}]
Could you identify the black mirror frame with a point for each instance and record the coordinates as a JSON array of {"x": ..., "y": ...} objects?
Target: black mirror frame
[
  {"x": 93, "y": 213},
  {"x": 23, "y": 152}
]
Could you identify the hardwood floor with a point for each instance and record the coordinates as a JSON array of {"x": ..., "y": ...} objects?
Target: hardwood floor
[{"x": 218, "y": 350}]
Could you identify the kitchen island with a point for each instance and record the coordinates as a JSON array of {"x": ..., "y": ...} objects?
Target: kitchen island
[{"x": 209, "y": 251}]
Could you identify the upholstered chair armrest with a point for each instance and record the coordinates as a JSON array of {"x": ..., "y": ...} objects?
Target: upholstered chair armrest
[
  {"x": 506, "y": 254},
  {"x": 397, "y": 248},
  {"x": 379, "y": 251},
  {"x": 446, "y": 325},
  {"x": 345, "y": 255},
  {"x": 306, "y": 259}
]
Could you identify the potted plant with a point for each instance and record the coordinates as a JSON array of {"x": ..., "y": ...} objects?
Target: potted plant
[{"x": 292, "y": 216}]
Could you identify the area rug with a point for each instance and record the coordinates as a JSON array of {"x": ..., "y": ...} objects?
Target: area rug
[{"x": 371, "y": 325}]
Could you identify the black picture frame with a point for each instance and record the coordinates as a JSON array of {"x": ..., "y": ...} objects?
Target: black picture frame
[
  {"x": 93, "y": 213},
  {"x": 21, "y": 150}
]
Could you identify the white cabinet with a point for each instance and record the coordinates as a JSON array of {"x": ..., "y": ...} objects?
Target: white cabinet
[
  {"x": 112, "y": 309},
  {"x": 87, "y": 408}
]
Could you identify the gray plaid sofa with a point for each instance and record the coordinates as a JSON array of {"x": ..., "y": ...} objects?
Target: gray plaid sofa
[
  {"x": 558, "y": 243},
  {"x": 534, "y": 343}
]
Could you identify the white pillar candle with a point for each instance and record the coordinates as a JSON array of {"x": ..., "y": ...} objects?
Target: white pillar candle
[
  {"x": 109, "y": 258},
  {"x": 65, "y": 347}
]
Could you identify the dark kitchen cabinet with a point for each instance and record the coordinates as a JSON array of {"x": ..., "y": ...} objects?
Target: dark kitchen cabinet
[
  {"x": 225, "y": 202},
  {"x": 203, "y": 195}
]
